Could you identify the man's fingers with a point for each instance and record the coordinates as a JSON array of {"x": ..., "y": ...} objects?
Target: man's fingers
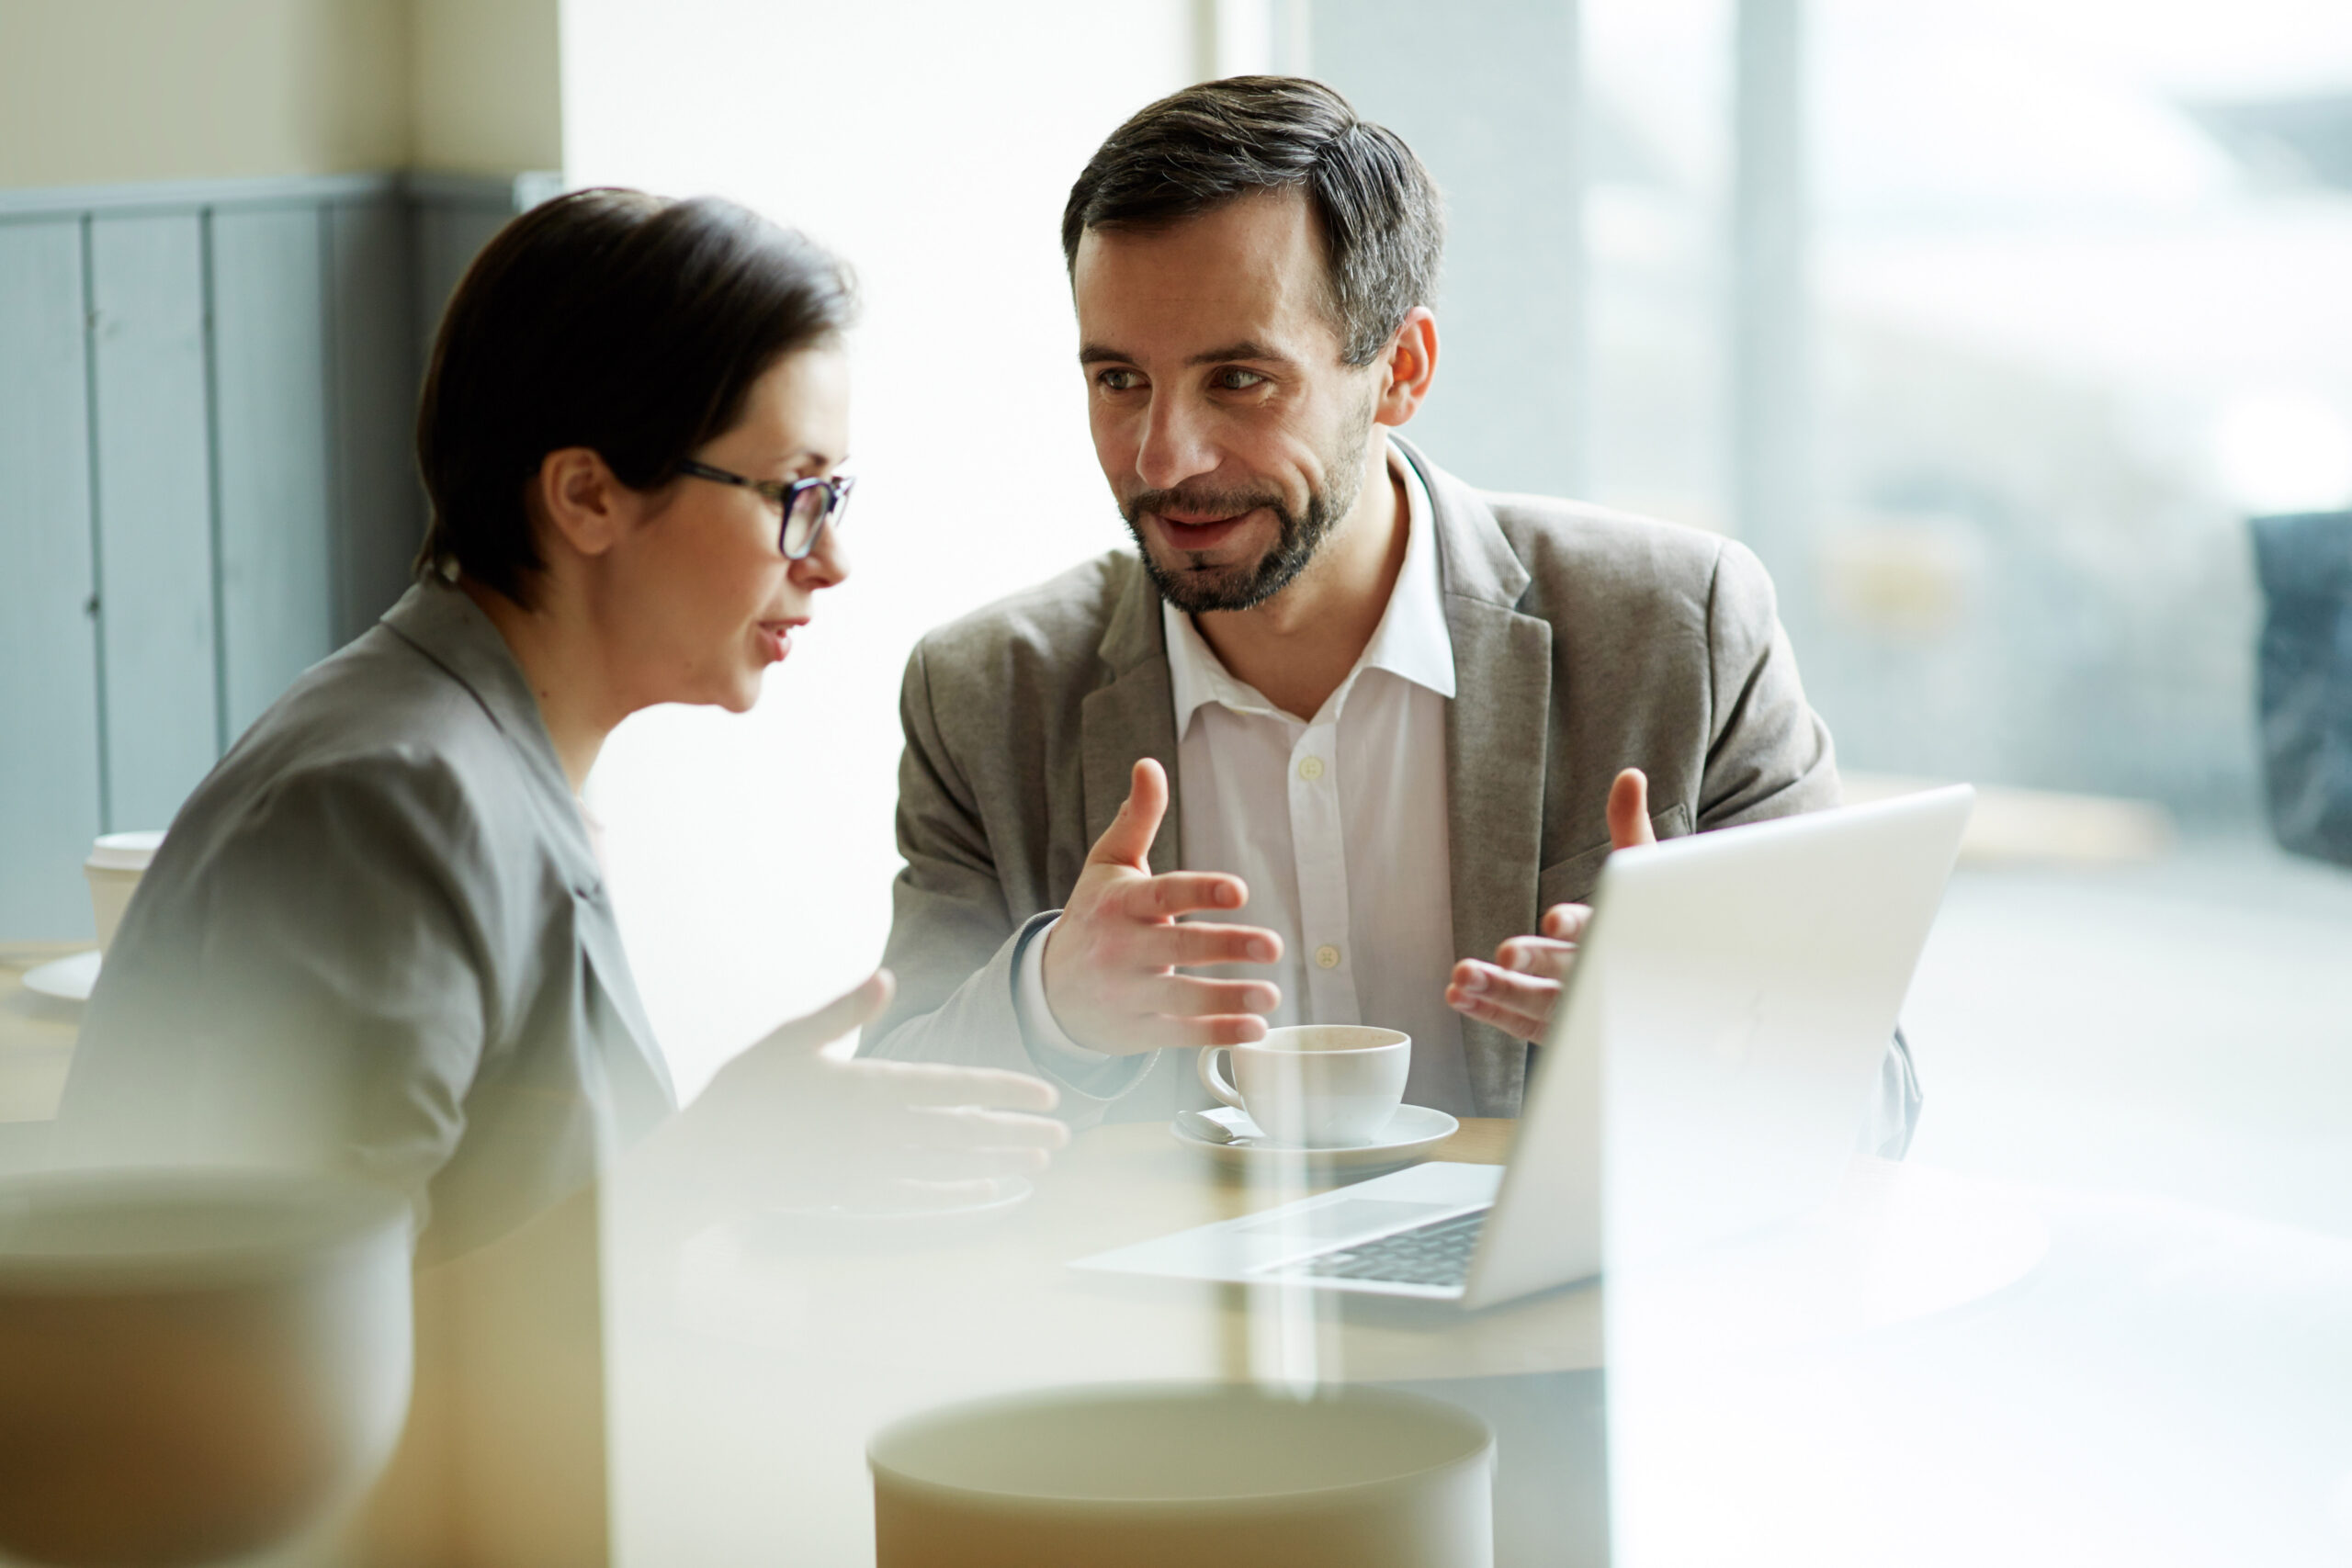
[
  {"x": 843, "y": 1016},
  {"x": 1516, "y": 1003},
  {"x": 1159, "y": 1031},
  {"x": 1510, "y": 1020},
  {"x": 1183, "y": 892},
  {"x": 1536, "y": 955},
  {"x": 1127, "y": 840},
  {"x": 928, "y": 1083},
  {"x": 1566, "y": 922},
  {"x": 1191, "y": 943},
  {"x": 1530, "y": 994},
  {"x": 1187, "y": 995},
  {"x": 1629, "y": 810}
]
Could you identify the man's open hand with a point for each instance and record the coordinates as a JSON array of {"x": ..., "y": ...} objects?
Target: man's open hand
[
  {"x": 1517, "y": 991},
  {"x": 1110, "y": 960}
]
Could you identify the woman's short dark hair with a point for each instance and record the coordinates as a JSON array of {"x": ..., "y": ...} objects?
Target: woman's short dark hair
[
  {"x": 1383, "y": 221},
  {"x": 623, "y": 322}
]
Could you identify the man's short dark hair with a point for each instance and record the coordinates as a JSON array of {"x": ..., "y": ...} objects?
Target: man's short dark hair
[
  {"x": 612, "y": 320},
  {"x": 1383, "y": 221}
]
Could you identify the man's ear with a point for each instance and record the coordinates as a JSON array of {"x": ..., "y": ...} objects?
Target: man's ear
[
  {"x": 580, "y": 501},
  {"x": 1410, "y": 367}
]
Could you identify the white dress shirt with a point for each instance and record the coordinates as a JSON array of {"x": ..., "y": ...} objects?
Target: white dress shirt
[{"x": 1336, "y": 824}]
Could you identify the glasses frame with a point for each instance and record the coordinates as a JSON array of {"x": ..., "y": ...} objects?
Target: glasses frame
[{"x": 783, "y": 495}]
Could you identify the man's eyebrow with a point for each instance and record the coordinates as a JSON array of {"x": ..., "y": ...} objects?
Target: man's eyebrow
[
  {"x": 1103, "y": 354},
  {"x": 1247, "y": 349}
]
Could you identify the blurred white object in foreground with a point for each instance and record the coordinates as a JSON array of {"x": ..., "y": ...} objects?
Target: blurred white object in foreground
[
  {"x": 1146, "y": 1474},
  {"x": 195, "y": 1366}
]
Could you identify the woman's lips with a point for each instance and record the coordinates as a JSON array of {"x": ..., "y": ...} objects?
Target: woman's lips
[{"x": 775, "y": 639}]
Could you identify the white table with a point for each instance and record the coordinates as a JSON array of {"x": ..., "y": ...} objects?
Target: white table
[{"x": 751, "y": 1365}]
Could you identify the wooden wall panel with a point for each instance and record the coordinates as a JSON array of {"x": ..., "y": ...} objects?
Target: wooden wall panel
[
  {"x": 154, "y": 510},
  {"x": 270, "y": 420},
  {"x": 48, "y": 682},
  {"x": 208, "y": 394}
]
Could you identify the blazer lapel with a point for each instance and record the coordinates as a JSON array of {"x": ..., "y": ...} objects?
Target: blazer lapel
[
  {"x": 449, "y": 629},
  {"x": 1133, "y": 715},
  {"x": 1494, "y": 752}
]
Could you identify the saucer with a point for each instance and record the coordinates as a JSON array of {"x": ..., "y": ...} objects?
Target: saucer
[
  {"x": 1010, "y": 1192},
  {"x": 1409, "y": 1136},
  {"x": 867, "y": 1227},
  {"x": 68, "y": 979}
]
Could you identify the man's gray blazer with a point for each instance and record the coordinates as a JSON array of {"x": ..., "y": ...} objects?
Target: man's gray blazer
[
  {"x": 376, "y": 939},
  {"x": 1585, "y": 641}
]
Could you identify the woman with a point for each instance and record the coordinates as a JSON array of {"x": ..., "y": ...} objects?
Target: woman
[{"x": 377, "y": 936}]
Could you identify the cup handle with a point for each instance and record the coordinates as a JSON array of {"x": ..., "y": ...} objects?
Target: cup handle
[{"x": 1213, "y": 1080}]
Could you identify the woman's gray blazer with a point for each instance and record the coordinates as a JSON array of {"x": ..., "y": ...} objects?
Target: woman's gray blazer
[{"x": 376, "y": 939}]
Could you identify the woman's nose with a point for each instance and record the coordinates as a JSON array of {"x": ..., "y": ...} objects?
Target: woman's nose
[{"x": 826, "y": 564}]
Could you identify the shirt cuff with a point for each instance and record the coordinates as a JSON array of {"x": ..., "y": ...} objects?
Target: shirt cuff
[{"x": 1095, "y": 1073}]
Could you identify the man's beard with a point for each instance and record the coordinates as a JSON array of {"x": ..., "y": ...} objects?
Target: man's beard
[{"x": 1247, "y": 584}]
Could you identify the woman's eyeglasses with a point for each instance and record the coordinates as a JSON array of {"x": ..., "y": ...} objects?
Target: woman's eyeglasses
[{"x": 805, "y": 506}]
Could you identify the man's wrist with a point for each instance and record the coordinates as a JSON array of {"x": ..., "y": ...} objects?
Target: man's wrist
[
  {"x": 1036, "y": 1010},
  {"x": 1076, "y": 1068}
]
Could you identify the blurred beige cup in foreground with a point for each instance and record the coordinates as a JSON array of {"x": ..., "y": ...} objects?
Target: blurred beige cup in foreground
[
  {"x": 1319, "y": 1086},
  {"x": 195, "y": 1366},
  {"x": 117, "y": 862},
  {"x": 1174, "y": 1475}
]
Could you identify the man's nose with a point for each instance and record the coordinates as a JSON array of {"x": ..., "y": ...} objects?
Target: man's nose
[{"x": 1175, "y": 445}]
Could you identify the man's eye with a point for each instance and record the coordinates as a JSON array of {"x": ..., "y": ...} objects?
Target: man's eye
[
  {"x": 1118, "y": 380},
  {"x": 1233, "y": 378}
]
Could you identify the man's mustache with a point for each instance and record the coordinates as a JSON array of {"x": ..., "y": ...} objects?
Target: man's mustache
[{"x": 1202, "y": 503}]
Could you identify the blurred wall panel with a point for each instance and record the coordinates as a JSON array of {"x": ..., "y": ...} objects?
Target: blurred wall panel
[
  {"x": 48, "y": 682},
  {"x": 1771, "y": 319},
  {"x": 374, "y": 364},
  {"x": 1487, "y": 92},
  {"x": 207, "y": 396},
  {"x": 270, "y": 417},
  {"x": 155, "y": 488}
]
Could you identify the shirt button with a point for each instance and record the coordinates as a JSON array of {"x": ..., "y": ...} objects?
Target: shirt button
[
  {"x": 1326, "y": 957},
  {"x": 1310, "y": 769}
]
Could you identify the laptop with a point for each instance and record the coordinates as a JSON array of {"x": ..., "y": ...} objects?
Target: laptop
[{"x": 1704, "y": 1080}]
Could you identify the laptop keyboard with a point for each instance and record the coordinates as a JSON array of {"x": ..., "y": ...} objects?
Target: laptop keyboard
[{"x": 1435, "y": 1253}]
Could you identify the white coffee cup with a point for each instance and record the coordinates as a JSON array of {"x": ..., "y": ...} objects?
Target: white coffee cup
[
  {"x": 1185, "y": 1475},
  {"x": 1324, "y": 1085},
  {"x": 195, "y": 1364},
  {"x": 117, "y": 862}
]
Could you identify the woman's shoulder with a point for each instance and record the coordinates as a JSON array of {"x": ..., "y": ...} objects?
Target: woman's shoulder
[{"x": 376, "y": 742}]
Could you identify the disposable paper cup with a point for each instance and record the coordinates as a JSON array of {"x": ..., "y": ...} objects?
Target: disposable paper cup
[
  {"x": 117, "y": 862},
  {"x": 1186, "y": 1476},
  {"x": 194, "y": 1365}
]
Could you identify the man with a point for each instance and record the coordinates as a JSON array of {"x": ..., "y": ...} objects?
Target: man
[{"x": 1394, "y": 718}]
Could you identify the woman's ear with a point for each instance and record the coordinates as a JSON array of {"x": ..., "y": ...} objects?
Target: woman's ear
[{"x": 579, "y": 502}]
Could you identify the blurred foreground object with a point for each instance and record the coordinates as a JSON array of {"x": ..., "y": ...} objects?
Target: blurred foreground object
[
  {"x": 195, "y": 1366},
  {"x": 2304, "y": 561},
  {"x": 2039, "y": 825},
  {"x": 1150, "y": 1475},
  {"x": 503, "y": 1463}
]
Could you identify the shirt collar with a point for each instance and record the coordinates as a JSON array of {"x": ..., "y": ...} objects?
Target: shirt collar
[{"x": 1411, "y": 641}]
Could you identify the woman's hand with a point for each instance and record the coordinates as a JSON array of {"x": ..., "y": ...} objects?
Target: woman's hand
[{"x": 797, "y": 1121}]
